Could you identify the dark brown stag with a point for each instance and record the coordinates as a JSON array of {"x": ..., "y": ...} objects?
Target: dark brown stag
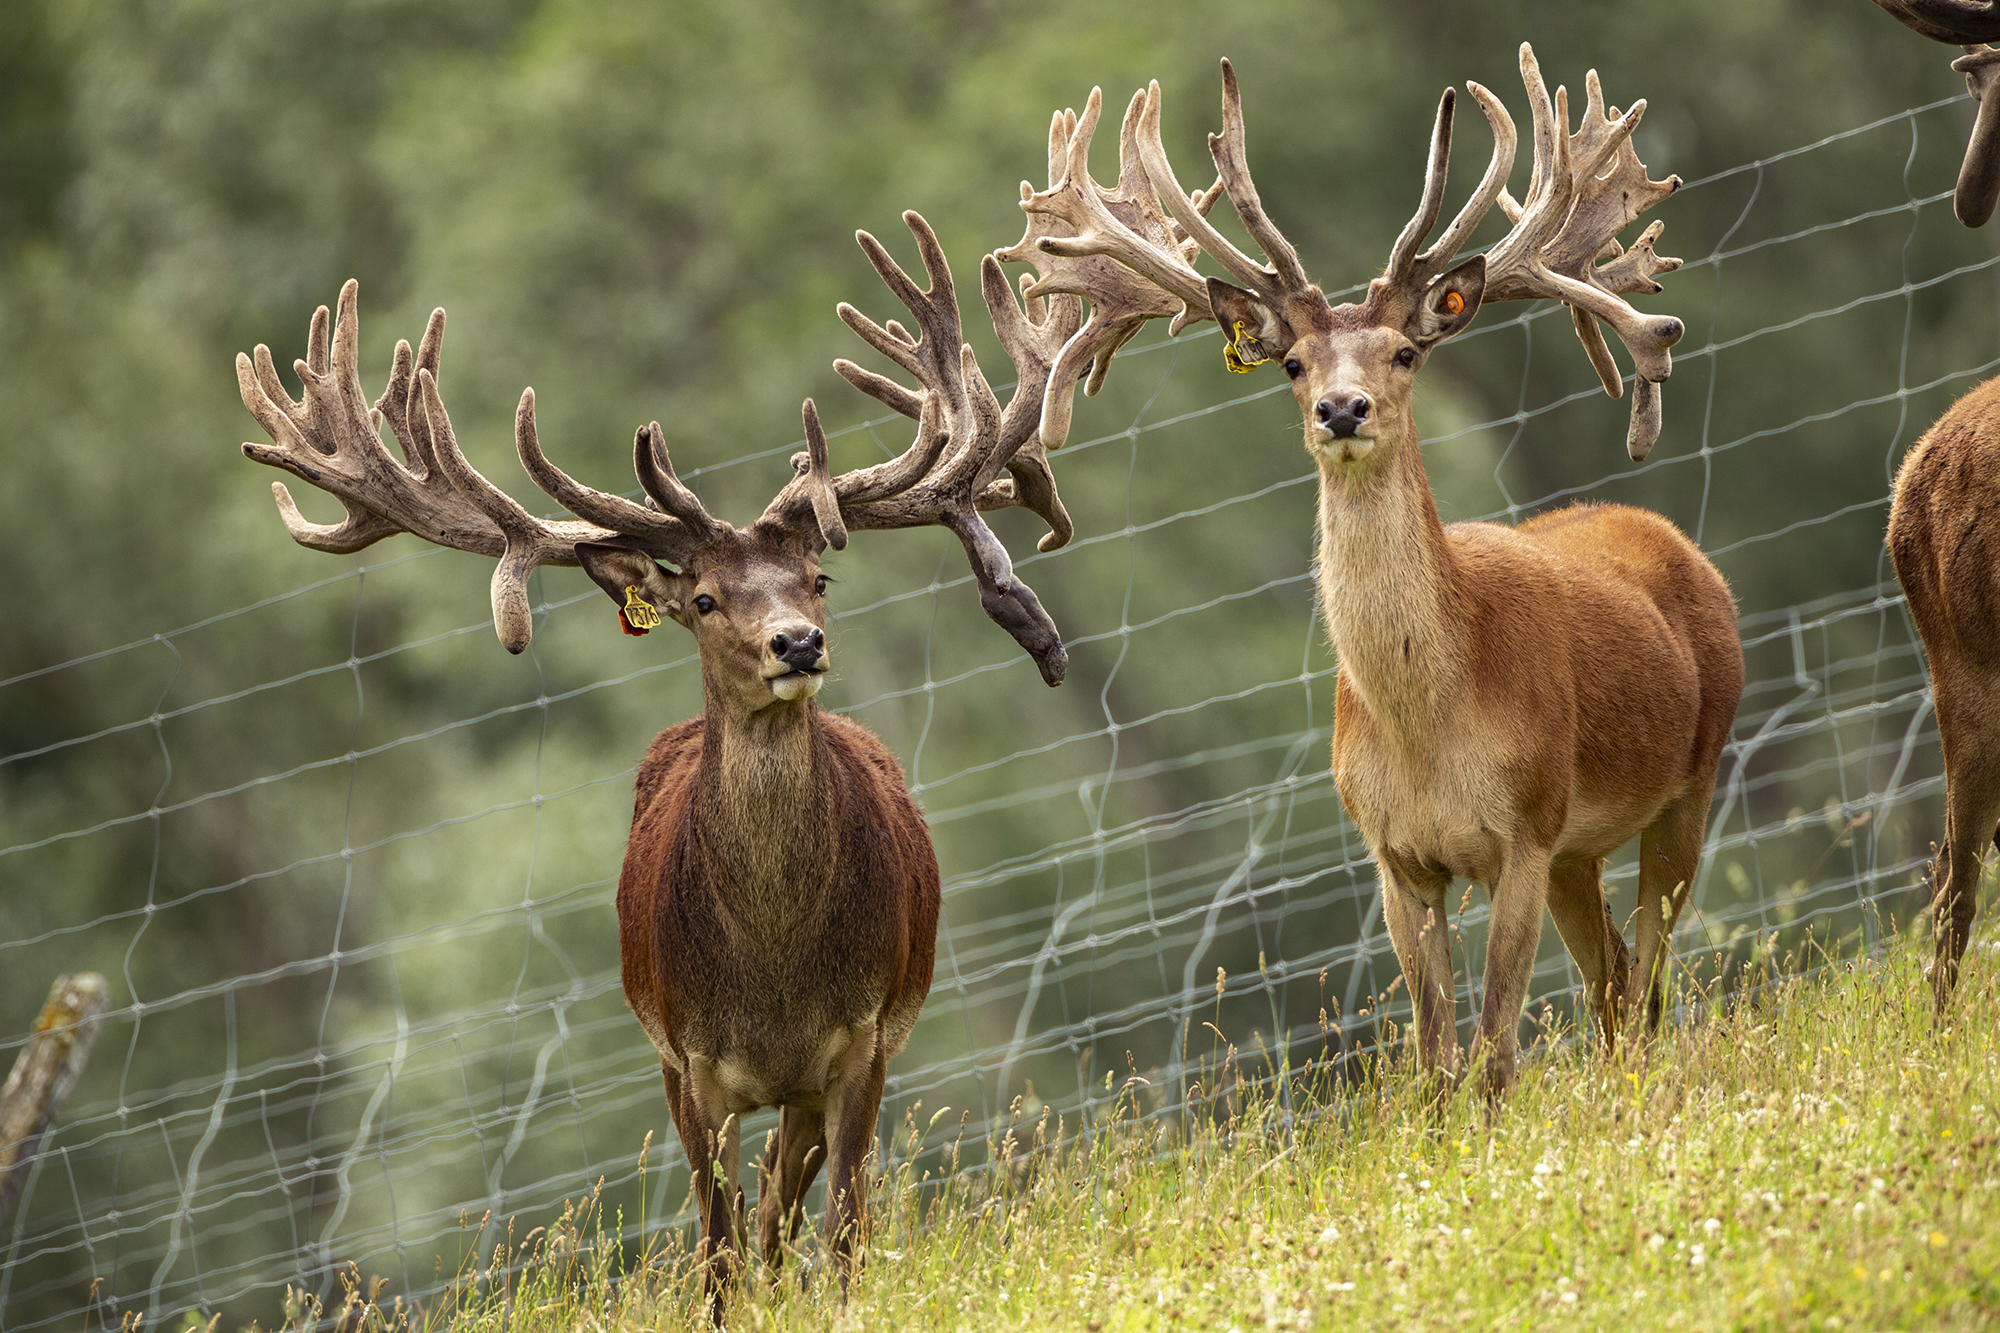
[
  {"x": 1944, "y": 537},
  {"x": 1969, "y": 25},
  {"x": 778, "y": 906},
  {"x": 1513, "y": 704}
]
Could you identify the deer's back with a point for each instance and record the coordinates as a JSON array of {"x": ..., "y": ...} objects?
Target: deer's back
[
  {"x": 859, "y": 938},
  {"x": 1944, "y": 534}
]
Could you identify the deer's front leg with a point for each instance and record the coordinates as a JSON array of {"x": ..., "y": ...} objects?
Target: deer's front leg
[
  {"x": 796, "y": 1156},
  {"x": 1413, "y": 905},
  {"x": 709, "y": 1137},
  {"x": 851, "y": 1106},
  {"x": 1520, "y": 893}
]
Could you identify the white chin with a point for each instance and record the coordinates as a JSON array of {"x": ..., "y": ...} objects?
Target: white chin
[
  {"x": 1349, "y": 449},
  {"x": 796, "y": 687}
]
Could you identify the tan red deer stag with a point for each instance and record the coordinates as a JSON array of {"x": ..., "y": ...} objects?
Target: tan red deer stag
[
  {"x": 1968, "y": 24},
  {"x": 1944, "y": 538},
  {"x": 1513, "y": 704},
  {"x": 779, "y": 901}
]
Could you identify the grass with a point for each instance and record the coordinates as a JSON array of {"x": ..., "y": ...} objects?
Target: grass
[{"x": 1813, "y": 1153}]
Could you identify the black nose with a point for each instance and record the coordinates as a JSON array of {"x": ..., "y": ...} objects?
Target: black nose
[
  {"x": 1343, "y": 419},
  {"x": 800, "y": 652}
]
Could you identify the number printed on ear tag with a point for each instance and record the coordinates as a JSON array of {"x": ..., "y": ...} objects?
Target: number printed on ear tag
[
  {"x": 1242, "y": 353},
  {"x": 637, "y": 615}
]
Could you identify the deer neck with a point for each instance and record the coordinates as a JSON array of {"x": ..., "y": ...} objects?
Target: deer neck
[
  {"x": 766, "y": 813},
  {"x": 1389, "y": 589}
]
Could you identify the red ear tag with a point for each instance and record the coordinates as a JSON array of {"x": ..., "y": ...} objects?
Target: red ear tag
[
  {"x": 637, "y": 615},
  {"x": 1453, "y": 303}
]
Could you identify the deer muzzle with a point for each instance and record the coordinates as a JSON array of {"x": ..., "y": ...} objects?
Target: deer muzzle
[
  {"x": 1342, "y": 415},
  {"x": 798, "y": 661}
]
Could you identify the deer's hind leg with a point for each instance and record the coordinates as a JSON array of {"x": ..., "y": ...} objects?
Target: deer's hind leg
[
  {"x": 1583, "y": 919},
  {"x": 1967, "y": 730},
  {"x": 1669, "y": 854}
]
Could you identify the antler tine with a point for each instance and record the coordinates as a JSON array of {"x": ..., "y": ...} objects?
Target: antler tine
[
  {"x": 1957, "y": 22},
  {"x": 1416, "y": 271},
  {"x": 1257, "y": 277},
  {"x": 1074, "y": 198},
  {"x": 1586, "y": 188},
  {"x": 654, "y": 468},
  {"x": 1232, "y": 165},
  {"x": 528, "y": 538},
  {"x": 332, "y": 438},
  {"x": 1403, "y": 255},
  {"x": 1035, "y": 333},
  {"x": 1436, "y": 259},
  {"x": 413, "y": 432},
  {"x": 1978, "y": 186},
  {"x": 934, "y": 356},
  {"x": 1968, "y": 24},
  {"x": 675, "y": 534},
  {"x": 810, "y": 492}
]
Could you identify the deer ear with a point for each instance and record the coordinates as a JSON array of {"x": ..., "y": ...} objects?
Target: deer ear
[
  {"x": 643, "y": 590},
  {"x": 1449, "y": 304},
  {"x": 1252, "y": 333}
]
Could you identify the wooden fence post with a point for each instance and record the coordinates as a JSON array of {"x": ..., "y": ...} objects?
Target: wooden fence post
[{"x": 43, "y": 1074}]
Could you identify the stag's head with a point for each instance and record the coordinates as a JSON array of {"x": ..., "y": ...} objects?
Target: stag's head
[
  {"x": 1352, "y": 366},
  {"x": 754, "y": 598}
]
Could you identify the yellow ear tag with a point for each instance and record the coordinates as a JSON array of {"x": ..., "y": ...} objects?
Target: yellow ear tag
[
  {"x": 1453, "y": 303},
  {"x": 1242, "y": 353},
  {"x": 637, "y": 615}
]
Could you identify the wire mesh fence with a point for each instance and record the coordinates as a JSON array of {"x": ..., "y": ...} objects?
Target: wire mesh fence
[{"x": 1154, "y": 849}]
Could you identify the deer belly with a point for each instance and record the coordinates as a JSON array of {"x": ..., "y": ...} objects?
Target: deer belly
[
  {"x": 795, "y": 1067},
  {"x": 1597, "y": 828}
]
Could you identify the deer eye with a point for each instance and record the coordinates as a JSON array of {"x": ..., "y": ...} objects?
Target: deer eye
[
  {"x": 819, "y": 586},
  {"x": 704, "y": 603},
  {"x": 1292, "y": 367},
  {"x": 1406, "y": 358}
]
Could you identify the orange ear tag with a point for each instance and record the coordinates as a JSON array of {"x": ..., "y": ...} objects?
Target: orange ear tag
[
  {"x": 637, "y": 615},
  {"x": 1453, "y": 303}
]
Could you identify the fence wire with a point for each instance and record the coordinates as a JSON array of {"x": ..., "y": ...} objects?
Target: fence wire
[{"x": 1160, "y": 849}]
